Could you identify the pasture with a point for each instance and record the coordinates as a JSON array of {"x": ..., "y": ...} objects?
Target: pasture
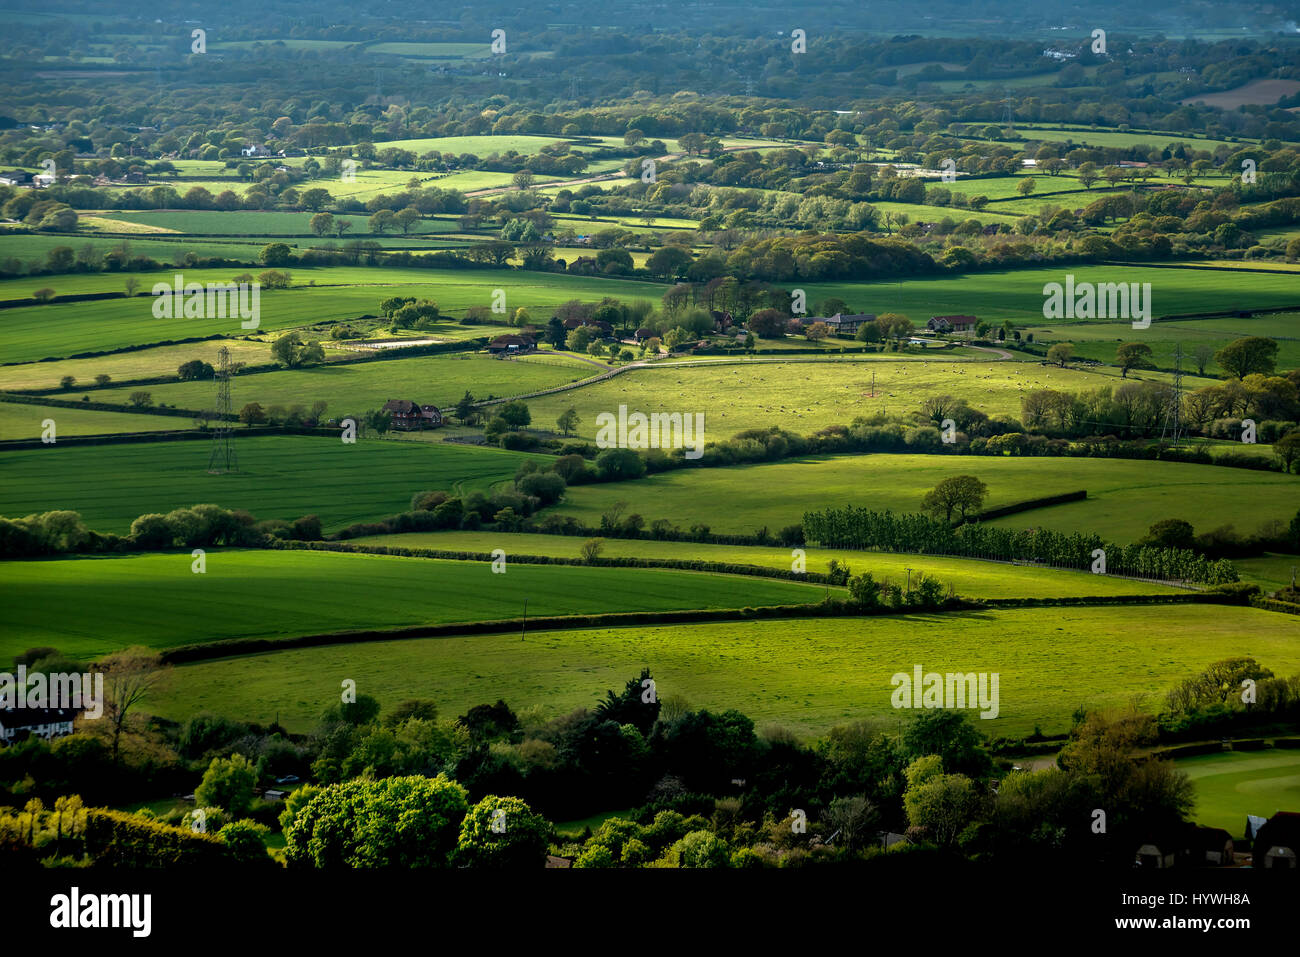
[
  {"x": 89, "y": 606},
  {"x": 1124, "y": 497},
  {"x": 26, "y": 421},
  {"x": 804, "y": 396},
  {"x": 806, "y": 674},
  {"x": 280, "y": 476},
  {"x": 966, "y": 577},
  {"x": 352, "y": 388}
]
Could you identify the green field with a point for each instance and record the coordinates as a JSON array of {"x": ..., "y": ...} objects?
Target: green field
[
  {"x": 25, "y": 421},
  {"x": 966, "y": 577},
  {"x": 1018, "y": 294},
  {"x": 63, "y": 329},
  {"x": 256, "y": 223},
  {"x": 1231, "y": 785},
  {"x": 802, "y": 397},
  {"x": 1124, "y": 497},
  {"x": 93, "y": 605},
  {"x": 354, "y": 387},
  {"x": 138, "y": 364},
  {"x": 806, "y": 674},
  {"x": 1099, "y": 340},
  {"x": 280, "y": 477}
]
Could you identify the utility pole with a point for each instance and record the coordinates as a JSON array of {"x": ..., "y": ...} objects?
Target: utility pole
[{"x": 222, "y": 457}]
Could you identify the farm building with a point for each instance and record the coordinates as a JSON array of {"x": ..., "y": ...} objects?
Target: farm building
[
  {"x": 408, "y": 415},
  {"x": 961, "y": 324},
  {"x": 511, "y": 344},
  {"x": 1278, "y": 842},
  {"x": 19, "y": 723},
  {"x": 15, "y": 177},
  {"x": 1189, "y": 845}
]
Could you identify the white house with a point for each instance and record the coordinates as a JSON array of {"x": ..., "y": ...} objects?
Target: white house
[{"x": 18, "y": 723}]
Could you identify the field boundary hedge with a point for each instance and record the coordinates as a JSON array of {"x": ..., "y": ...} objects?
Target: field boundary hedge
[
  {"x": 1275, "y": 604},
  {"x": 118, "y": 839},
  {"x": 190, "y": 435},
  {"x": 1030, "y": 504},
  {"x": 228, "y": 647},
  {"x": 680, "y": 564}
]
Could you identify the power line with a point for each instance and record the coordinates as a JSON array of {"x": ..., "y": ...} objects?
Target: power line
[{"x": 222, "y": 457}]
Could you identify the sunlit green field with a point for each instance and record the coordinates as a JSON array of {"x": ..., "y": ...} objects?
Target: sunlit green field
[
  {"x": 279, "y": 477},
  {"x": 805, "y": 674},
  {"x": 356, "y": 387},
  {"x": 965, "y": 577},
  {"x": 1231, "y": 785},
  {"x": 27, "y": 421},
  {"x": 88, "y": 606},
  {"x": 63, "y": 329},
  {"x": 803, "y": 397},
  {"x": 1124, "y": 497}
]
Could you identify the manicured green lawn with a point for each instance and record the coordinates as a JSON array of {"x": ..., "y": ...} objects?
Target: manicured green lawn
[
  {"x": 1231, "y": 785},
  {"x": 281, "y": 476},
  {"x": 971, "y": 578},
  {"x": 92, "y": 605},
  {"x": 1125, "y": 497},
  {"x": 806, "y": 674}
]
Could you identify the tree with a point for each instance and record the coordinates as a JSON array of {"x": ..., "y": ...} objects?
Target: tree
[
  {"x": 252, "y": 414},
  {"x": 465, "y": 410},
  {"x": 292, "y": 353},
  {"x": 1087, "y": 174},
  {"x": 382, "y": 220},
  {"x": 591, "y": 549},
  {"x": 402, "y": 822},
  {"x": 1025, "y": 186},
  {"x": 1287, "y": 449},
  {"x": 129, "y": 676},
  {"x": 140, "y": 399},
  {"x": 102, "y": 379},
  {"x": 1249, "y": 355},
  {"x": 322, "y": 223},
  {"x": 194, "y": 369},
  {"x": 1170, "y": 533},
  {"x": 567, "y": 421},
  {"x": 276, "y": 254},
  {"x": 668, "y": 261},
  {"x": 1133, "y": 355},
  {"x": 1062, "y": 353},
  {"x": 940, "y": 803},
  {"x": 817, "y": 331},
  {"x": 500, "y": 833},
  {"x": 965, "y": 493},
  {"x": 67, "y": 381},
  {"x": 1202, "y": 355},
  {"x": 43, "y": 295},
  {"x": 514, "y": 414},
  {"x": 228, "y": 783}
]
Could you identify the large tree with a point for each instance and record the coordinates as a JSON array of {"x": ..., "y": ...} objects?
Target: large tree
[
  {"x": 964, "y": 493},
  {"x": 1133, "y": 355},
  {"x": 1249, "y": 355}
]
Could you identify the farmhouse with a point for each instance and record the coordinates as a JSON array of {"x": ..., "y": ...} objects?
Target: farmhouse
[
  {"x": 16, "y": 177},
  {"x": 961, "y": 324},
  {"x": 19, "y": 723},
  {"x": 408, "y": 415},
  {"x": 847, "y": 323},
  {"x": 511, "y": 344}
]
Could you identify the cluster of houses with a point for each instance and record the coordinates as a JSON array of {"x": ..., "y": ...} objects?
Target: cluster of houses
[
  {"x": 20, "y": 177},
  {"x": 408, "y": 416},
  {"x": 1274, "y": 844}
]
